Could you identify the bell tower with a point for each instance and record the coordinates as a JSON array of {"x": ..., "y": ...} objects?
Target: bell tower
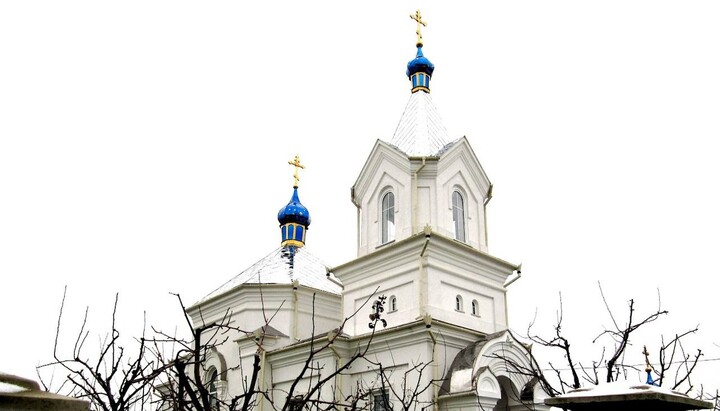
[
  {"x": 420, "y": 177},
  {"x": 422, "y": 242}
]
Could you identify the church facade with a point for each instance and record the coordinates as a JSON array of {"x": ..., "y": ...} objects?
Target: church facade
[{"x": 422, "y": 246}]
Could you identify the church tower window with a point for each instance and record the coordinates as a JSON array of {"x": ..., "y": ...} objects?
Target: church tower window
[
  {"x": 392, "y": 304},
  {"x": 475, "y": 308},
  {"x": 388, "y": 218},
  {"x": 458, "y": 303},
  {"x": 458, "y": 207}
]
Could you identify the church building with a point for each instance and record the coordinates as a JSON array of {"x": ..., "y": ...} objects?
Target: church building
[{"x": 423, "y": 302}]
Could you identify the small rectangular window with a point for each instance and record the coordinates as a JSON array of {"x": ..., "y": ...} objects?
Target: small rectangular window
[{"x": 381, "y": 401}]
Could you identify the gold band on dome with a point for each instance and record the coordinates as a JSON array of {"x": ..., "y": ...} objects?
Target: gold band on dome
[{"x": 292, "y": 243}]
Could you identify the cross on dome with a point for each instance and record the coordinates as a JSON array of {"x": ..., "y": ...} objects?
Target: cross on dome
[
  {"x": 296, "y": 162},
  {"x": 420, "y": 23}
]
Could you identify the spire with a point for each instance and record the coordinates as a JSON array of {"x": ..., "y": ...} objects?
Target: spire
[
  {"x": 420, "y": 131},
  {"x": 294, "y": 218}
]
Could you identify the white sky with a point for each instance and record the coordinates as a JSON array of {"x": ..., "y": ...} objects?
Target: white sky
[{"x": 144, "y": 148}]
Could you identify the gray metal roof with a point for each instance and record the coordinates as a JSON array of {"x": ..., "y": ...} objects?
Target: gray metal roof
[
  {"x": 420, "y": 131},
  {"x": 283, "y": 266}
]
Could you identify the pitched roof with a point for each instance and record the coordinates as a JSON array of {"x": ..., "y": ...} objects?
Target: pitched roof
[
  {"x": 283, "y": 266},
  {"x": 420, "y": 131}
]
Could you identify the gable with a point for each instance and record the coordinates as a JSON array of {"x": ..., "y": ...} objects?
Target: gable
[
  {"x": 382, "y": 153},
  {"x": 460, "y": 155}
]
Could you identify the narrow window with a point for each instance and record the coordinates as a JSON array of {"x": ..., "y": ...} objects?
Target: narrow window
[
  {"x": 388, "y": 218},
  {"x": 475, "y": 308},
  {"x": 458, "y": 206},
  {"x": 381, "y": 401},
  {"x": 393, "y": 304},
  {"x": 212, "y": 387},
  {"x": 458, "y": 303}
]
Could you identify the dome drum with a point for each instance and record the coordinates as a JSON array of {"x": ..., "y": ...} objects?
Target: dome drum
[
  {"x": 420, "y": 81},
  {"x": 294, "y": 220},
  {"x": 419, "y": 71},
  {"x": 293, "y": 235}
]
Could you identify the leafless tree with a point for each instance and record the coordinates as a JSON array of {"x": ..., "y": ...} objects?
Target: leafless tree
[
  {"x": 186, "y": 387},
  {"x": 115, "y": 380},
  {"x": 408, "y": 393},
  {"x": 169, "y": 372},
  {"x": 673, "y": 360}
]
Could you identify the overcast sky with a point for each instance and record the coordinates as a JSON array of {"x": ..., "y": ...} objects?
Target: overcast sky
[{"x": 144, "y": 149}]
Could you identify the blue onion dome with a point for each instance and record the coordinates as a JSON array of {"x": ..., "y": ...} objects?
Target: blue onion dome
[
  {"x": 294, "y": 211},
  {"x": 419, "y": 71},
  {"x": 294, "y": 220}
]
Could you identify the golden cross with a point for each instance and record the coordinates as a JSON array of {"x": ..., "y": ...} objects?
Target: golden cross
[
  {"x": 296, "y": 162},
  {"x": 417, "y": 17},
  {"x": 645, "y": 352}
]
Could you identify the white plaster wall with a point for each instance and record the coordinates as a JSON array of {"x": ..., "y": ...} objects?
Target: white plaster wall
[
  {"x": 424, "y": 199},
  {"x": 396, "y": 360},
  {"x": 459, "y": 167},
  {"x": 247, "y": 308},
  {"x": 424, "y": 207},
  {"x": 318, "y": 316},
  {"x": 284, "y": 372},
  {"x": 455, "y": 177},
  {"x": 386, "y": 167},
  {"x": 392, "y": 178},
  {"x": 397, "y": 281},
  {"x": 447, "y": 283}
]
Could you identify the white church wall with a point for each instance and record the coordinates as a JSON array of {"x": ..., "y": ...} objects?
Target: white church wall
[
  {"x": 285, "y": 366},
  {"x": 241, "y": 360},
  {"x": 401, "y": 284},
  {"x": 474, "y": 224},
  {"x": 391, "y": 180},
  {"x": 245, "y": 306},
  {"x": 455, "y": 270},
  {"x": 398, "y": 351},
  {"x": 318, "y": 312},
  {"x": 425, "y": 209},
  {"x": 458, "y": 168},
  {"x": 390, "y": 271},
  {"x": 486, "y": 320},
  {"x": 424, "y": 196},
  {"x": 385, "y": 170},
  {"x": 463, "y": 403}
]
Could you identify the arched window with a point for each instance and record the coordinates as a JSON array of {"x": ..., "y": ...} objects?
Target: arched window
[
  {"x": 212, "y": 387},
  {"x": 388, "y": 218},
  {"x": 458, "y": 206},
  {"x": 475, "y": 308},
  {"x": 458, "y": 303},
  {"x": 392, "y": 304}
]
